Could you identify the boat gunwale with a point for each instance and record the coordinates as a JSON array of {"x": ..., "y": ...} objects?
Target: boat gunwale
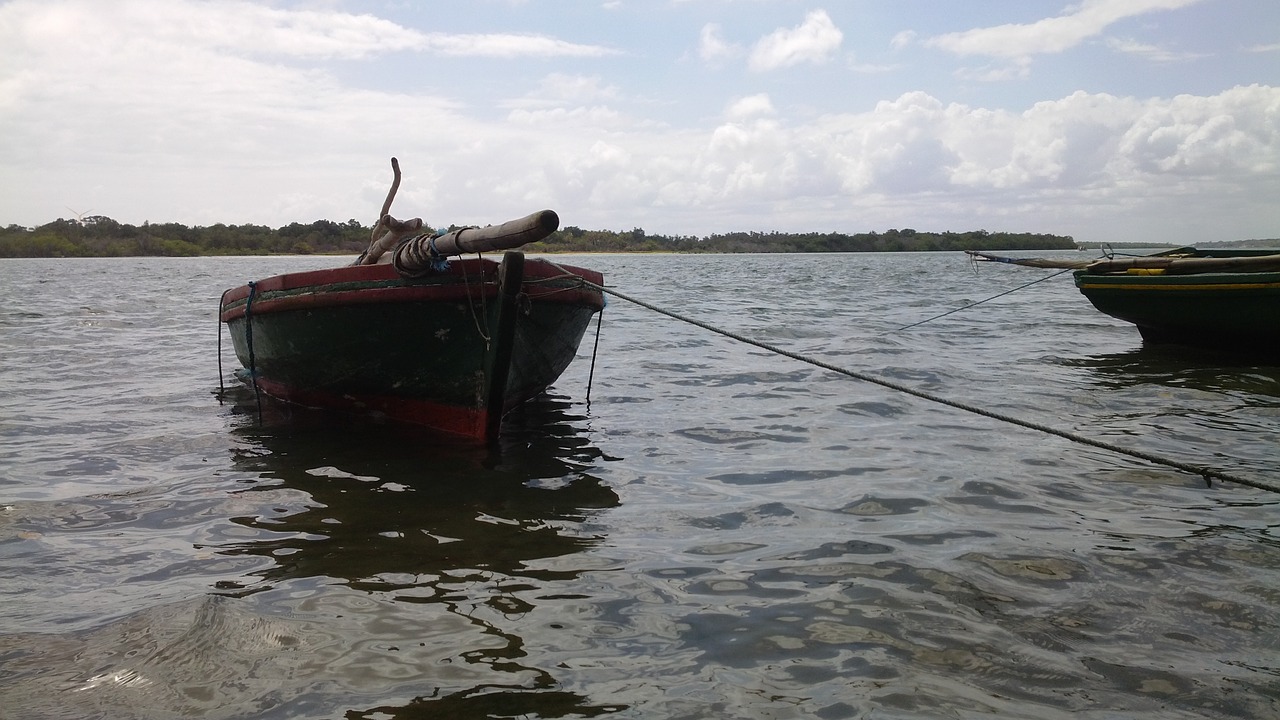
[
  {"x": 463, "y": 281},
  {"x": 1265, "y": 281}
]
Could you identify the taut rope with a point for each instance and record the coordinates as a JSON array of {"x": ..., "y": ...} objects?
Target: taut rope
[
  {"x": 1207, "y": 473},
  {"x": 975, "y": 304}
]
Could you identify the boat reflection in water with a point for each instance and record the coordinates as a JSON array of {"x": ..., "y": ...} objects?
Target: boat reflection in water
[
  {"x": 385, "y": 511},
  {"x": 448, "y": 552},
  {"x": 354, "y": 572},
  {"x": 1157, "y": 367},
  {"x": 1186, "y": 398}
]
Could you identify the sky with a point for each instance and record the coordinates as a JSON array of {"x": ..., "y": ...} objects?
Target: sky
[{"x": 1106, "y": 120}]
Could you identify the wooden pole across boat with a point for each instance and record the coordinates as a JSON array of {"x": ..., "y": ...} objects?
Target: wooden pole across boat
[
  {"x": 1189, "y": 265},
  {"x": 422, "y": 251},
  {"x": 418, "y": 255},
  {"x": 507, "y": 236},
  {"x": 1166, "y": 264}
]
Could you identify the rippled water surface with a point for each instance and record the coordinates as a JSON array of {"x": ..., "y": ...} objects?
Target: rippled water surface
[{"x": 715, "y": 531}]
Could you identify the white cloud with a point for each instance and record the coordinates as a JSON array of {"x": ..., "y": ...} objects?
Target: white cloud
[
  {"x": 594, "y": 117},
  {"x": 1129, "y": 46},
  {"x": 871, "y": 69},
  {"x": 712, "y": 46},
  {"x": 249, "y": 29},
  {"x": 1233, "y": 134},
  {"x": 1064, "y": 144},
  {"x": 241, "y": 27},
  {"x": 564, "y": 87},
  {"x": 1016, "y": 69},
  {"x": 507, "y": 46},
  {"x": 103, "y": 108},
  {"x": 1083, "y": 159},
  {"x": 813, "y": 41},
  {"x": 751, "y": 106},
  {"x": 1051, "y": 35}
]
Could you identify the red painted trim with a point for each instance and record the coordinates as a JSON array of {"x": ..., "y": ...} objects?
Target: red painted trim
[
  {"x": 464, "y": 423},
  {"x": 475, "y": 270},
  {"x": 364, "y": 296},
  {"x": 467, "y": 277},
  {"x": 537, "y": 268}
]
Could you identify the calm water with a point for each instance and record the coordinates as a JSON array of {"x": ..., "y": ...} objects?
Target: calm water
[{"x": 718, "y": 533}]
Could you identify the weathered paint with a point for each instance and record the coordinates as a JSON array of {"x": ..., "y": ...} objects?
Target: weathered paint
[
  {"x": 1226, "y": 310},
  {"x": 418, "y": 350}
]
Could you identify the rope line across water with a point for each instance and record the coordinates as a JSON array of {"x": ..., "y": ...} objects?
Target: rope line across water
[
  {"x": 975, "y": 304},
  {"x": 1206, "y": 472}
]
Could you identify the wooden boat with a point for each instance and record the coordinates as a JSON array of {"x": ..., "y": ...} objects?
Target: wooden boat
[
  {"x": 1221, "y": 298},
  {"x": 408, "y": 335}
]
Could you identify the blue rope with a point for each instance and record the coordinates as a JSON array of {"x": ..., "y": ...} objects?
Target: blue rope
[{"x": 439, "y": 262}]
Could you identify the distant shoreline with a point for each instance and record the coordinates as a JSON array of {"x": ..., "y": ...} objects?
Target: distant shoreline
[{"x": 99, "y": 236}]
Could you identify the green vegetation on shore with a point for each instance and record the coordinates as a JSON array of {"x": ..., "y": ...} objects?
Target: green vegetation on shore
[{"x": 99, "y": 236}]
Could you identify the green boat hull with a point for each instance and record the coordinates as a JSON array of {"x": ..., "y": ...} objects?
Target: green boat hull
[
  {"x": 1237, "y": 311},
  {"x": 448, "y": 351}
]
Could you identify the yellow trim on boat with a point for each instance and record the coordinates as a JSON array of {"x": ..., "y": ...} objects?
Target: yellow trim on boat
[{"x": 1217, "y": 286}]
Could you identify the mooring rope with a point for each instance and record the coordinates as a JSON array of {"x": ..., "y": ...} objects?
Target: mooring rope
[
  {"x": 975, "y": 304},
  {"x": 222, "y": 388},
  {"x": 471, "y": 303},
  {"x": 248, "y": 341},
  {"x": 1207, "y": 473},
  {"x": 595, "y": 350}
]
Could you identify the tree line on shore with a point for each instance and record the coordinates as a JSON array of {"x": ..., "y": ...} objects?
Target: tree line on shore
[{"x": 99, "y": 236}]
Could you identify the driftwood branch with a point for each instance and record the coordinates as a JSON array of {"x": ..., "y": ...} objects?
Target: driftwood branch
[
  {"x": 386, "y": 204},
  {"x": 388, "y": 244},
  {"x": 396, "y": 230},
  {"x": 388, "y": 231}
]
